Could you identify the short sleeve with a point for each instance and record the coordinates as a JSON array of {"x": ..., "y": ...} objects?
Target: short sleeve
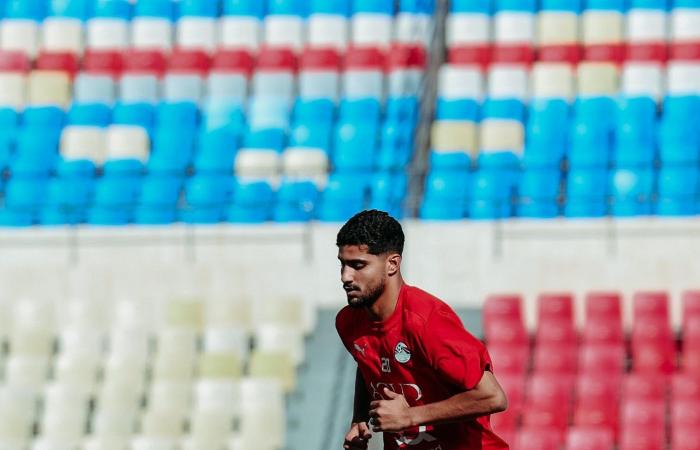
[{"x": 459, "y": 358}]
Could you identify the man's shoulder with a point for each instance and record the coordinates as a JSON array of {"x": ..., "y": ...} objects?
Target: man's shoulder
[
  {"x": 344, "y": 319},
  {"x": 420, "y": 305}
]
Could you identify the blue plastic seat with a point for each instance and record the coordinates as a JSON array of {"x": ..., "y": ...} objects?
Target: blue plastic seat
[
  {"x": 311, "y": 135},
  {"x": 252, "y": 202},
  {"x": 123, "y": 167},
  {"x": 6, "y": 154},
  {"x": 49, "y": 118},
  {"x": 206, "y": 198},
  {"x": 586, "y": 193},
  {"x": 172, "y": 152},
  {"x": 183, "y": 116},
  {"x": 216, "y": 152},
  {"x": 445, "y": 196},
  {"x": 546, "y": 132},
  {"x": 498, "y": 160},
  {"x": 631, "y": 191},
  {"x": 36, "y": 154},
  {"x": 678, "y": 181},
  {"x": 682, "y": 108},
  {"x": 75, "y": 169},
  {"x": 296, "y": 201},
  {"x": 22, "y": 9},
  {"x": 114, "y": 201},
  {"x": 491, "y": 194},
  {"x": 636, "y": 122},
  {"x": 402, "y": 109},
  {"x": 373, "y": 6},
  {"x": 601, "y": 111},
  {"x": 273, "y": 138},
  {"x": 9, "y": 120},
  {"x": 540, "y": 184},
  {"x": 449, "y": 160},
  {"x": 288, "y": 7},
  {"x": 115, "y": 9},
  {"x": 661, "y": 5},
  {"x": 590, "y": 145},
  {"x": 72, "y": 9},
  {"x": 366, "y": 110},
  {"x": 244, "y": 8},
  {"x": 503, "y": 109},
  {"x": 344, "y": 196},
  {"x": 606, "y": 5},
  {"x": 198, "y": 8},
  {"x": 218, "y": 114},
  {"x": 164, "y": 9},
  {"x": 140, "y": 114},
  {"x": 396, "y": 147},
  {"x": 66, "y": 201},
  {"x": 572, "y": 6},
  {"x": 23, "y": 200},
  {"x": 268, "y": 112},
  {"x": 537, "y": 209},
  {"x": 388, "y": 192},
  {"x": 354, "y": 147},
  {"x": 679, "y": 141},
  {"x": 92, "y": 114},
  {"x": 334, "y": 7},
  {"x": 157, "y": 202},
  {"x": 516, "y": 5},
  {"x": 318, "y": 111},
  {"x": 457, "y": 109},
  {"x": 630, "y": 155}
]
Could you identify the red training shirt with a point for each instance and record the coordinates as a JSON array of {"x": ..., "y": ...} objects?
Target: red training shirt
[{"x": 423, "y": 352}]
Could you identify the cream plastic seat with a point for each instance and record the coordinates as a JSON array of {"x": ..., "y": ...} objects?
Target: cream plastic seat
[
  {"x": 48, "y": 87},
  {"x": 453, "y": 135},
  {"x": 14, "y": 93},
  {"x": 170, "y": 395},
  {"x": 127, "y": 142},
  {"x": 81, "y": 142},
  {"x": 284, "y": 31},
  {"x": 597, "y": 79},
  {"x": 557, "y": 28},
  {"x": 276, "y": 365},
  {"x": 553, "y": 80}
]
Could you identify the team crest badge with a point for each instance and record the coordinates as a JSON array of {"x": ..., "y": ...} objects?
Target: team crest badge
[{"x": 402, "y": 353}]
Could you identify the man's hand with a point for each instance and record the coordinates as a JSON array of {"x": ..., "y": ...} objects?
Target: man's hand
[
  {"x": 358, "y": 436},
  {"x": 390, "y": 415}
]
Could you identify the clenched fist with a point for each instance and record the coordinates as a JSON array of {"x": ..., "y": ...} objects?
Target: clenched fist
[
  {"x": 391, "y": 415},
  {"x": 358, "y": 436}
]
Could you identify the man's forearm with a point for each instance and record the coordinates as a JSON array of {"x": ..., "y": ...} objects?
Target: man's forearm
[{"x": 361, "y": 402}]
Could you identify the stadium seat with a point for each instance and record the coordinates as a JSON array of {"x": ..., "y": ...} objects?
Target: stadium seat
[
  {"x": 206, "y": 197},
  {"x": 581, "y": 438},
  {"x": 114, "y": 200},
  {"x": 23, "y": 199},
  {"x": 157, "y": 200},
  {"x": 252, "y": 202},
  {"x": 445, "y": 195},
  {"x": 344, "y": 196},
  {"x": 631, "y": 192}
]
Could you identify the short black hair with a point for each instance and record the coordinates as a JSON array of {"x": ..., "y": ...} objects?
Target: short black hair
[{"x": 377, "y": 230}]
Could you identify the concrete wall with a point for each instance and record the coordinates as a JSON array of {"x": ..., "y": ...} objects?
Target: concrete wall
[{"x": 458, "y": 261}]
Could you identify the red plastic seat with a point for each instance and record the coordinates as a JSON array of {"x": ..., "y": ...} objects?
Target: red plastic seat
[
  {"x": 556, "y": 331},
  {"x": 691, "y": 332},
  {"x": 685, "y": 51},
  {"x": 512, "y": 334},
  {"x": 406, "y": 56},
  {"x": 555, "y": 307},
  {"x": 691, "y": 359},
  {"x": 59, "y": 61},
  {"x": 589, "y": 438},
  {"x": 233, "y": 61},
  {"x": 641, "y": 438},
  {"x": 472, "y": 55},
  {"x": 637, "y": 386},
  {"x": 685, "y": 413},
  {"x": 537, "y": 438},
  {"x": 514, "y": 387},
  {"x": 103, "y": 62},
  {"x": 546, "y": 416},
  {"x": 614, "y": 53},
  {"x": 11, "y": 61},
  {"x": 643, "y": 414},
  {"x": 597, "y": 402},
  {"x": 603, "y": 331},
  {"x": 569, "y": 53},
  {"x": 685, "y": 386},
  {"x": 513, "y": 54},
  {"x": 647, "y": 52},
  {"x": 365, "y": 58},
  {"x": 603, "y": 306},
  {"x": 595, "y": 358},
  {"x": 189, "y": 61},
  {"x": 685, "y": 438},
  {"x": 320, "y": 59},
  {"x": 151, "y": 62},
  {"x": 503, "y": 307},
  {"x": 509, "y": 360},
  {"x": 691, "y": 305},
  {"x": 548, "y": 390},
  {"x": 651, "y": 305},
  {"x": 653, "y": 348},
  {"x": 506, "y": 421},
  {"x": 556, "y": 359}
]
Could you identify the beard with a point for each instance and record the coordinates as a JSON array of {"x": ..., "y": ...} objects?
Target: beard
[{"x": 367, "y": 299}]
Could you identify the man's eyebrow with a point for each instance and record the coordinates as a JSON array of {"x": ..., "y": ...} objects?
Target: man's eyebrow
[{"x": 352, "y": 260}]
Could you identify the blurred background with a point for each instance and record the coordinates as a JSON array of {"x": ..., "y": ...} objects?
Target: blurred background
[{"x": 174, "y": 173}]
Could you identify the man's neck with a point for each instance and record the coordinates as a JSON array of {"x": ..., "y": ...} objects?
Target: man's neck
[{"x": 385, "y": 305}]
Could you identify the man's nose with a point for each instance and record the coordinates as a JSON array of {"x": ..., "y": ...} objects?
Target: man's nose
[{"x": 346, "y": 275}]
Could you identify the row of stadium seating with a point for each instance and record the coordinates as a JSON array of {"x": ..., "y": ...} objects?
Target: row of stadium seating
[
  {"x": 184, "y": 374},
  {"x": 589, "y": 381},
  {"x": 73, "y": 25}
]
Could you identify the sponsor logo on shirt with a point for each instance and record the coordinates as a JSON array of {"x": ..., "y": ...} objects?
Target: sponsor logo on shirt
[
  {"x": 402, "y": 353},
  {"x": 360, "y": 349}
]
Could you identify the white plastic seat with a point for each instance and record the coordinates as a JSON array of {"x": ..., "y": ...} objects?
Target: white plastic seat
[
  {"x": 276, "y": 84},
  {"x": 76, "y": 368},
  {"x": 303, "y": 162},
  {"x": 597, "y": 79},
  {"x": 138, "y": 88},
  {"x": 280, "y": 338},
  {"x": 47, "y": 443},
  {"x": 173, "y": 367},
  {"x": 177, "y": 340},
  {"x": 452, "y": 135},
  {"x": 119, "y": 398},
  {"x": 557, "y": 28},
  {"x": 646, "y": 25},
  {"x": 327, "y": 30},
  {"x": 125, "y": 369},
  {"x": 14, "y": 90},
  {"x": 103, "y": 33},
  {"x": 170, "y": 395},
  {"x": 60, "y": 34},
  {"x": 358, "y": 84},
  {"x": 685, "y": 25},
  {"x": 222, "y": 313},
  {"x": 15, "y": 427},
  {"x": 457, "y": 82},
  {"x": 22, "y": 403},
  {"x": 231, "y": 86},
  {"x": 262, "y": 403},
  {"x": 412, "y": 28},
  {"x": 178, "y": 87},
  {"x": 370, "y": 29},
  {"x": 82, "y": 142},
  {"x": 552, "y": 80},
  {"x": 180, "y": 318},
  {"x": 316, "y": 84},
  {"x": 257, "y": 163},
  {"x": 602, "y": 27},
  {"x": 508, "y": 81},
  {"x": 91, "y": 88},
  {"x": 197, "y": 33},
  {"x": 105, "y": 443},
  {"x": 210, "y": 426},
  {"x": 240, "y": 32},
  {"x": 511, "y": 27},
  {"x": 20, "y": 35},
  {"x": 166, "y": 423},
  {"x": 467, "y": 29},
  {"x": 291, "y": 312},
  {"x": 229, "y": 339},
  {"x": 203, "y": 443},
  {"x": 151, "y": 33},
  {"x": 28, "y": 372},
  {"x": 62, "y": 426},
  {"x": 46, "y": 87},
  {"x": 405, "y": 82},
  {"x": 129, "y": 314},
  {"x": 683, "y": 78},
  {"x": 152, "y": 443},
  {"x": 66, "y": 398},
  {"x": 285, "y": 31},
  {"x": 31, "y": 341},
  {"x": 501, "y": 135},
  {"x": 127, "y": 142},
  {"x": 643, "y": 79},
  {"x": 220, "y": 395},
  {"x": 113, "y": 423}
]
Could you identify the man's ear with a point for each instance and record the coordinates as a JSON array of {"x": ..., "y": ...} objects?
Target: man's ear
[{"x": 393, "y": 262}]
